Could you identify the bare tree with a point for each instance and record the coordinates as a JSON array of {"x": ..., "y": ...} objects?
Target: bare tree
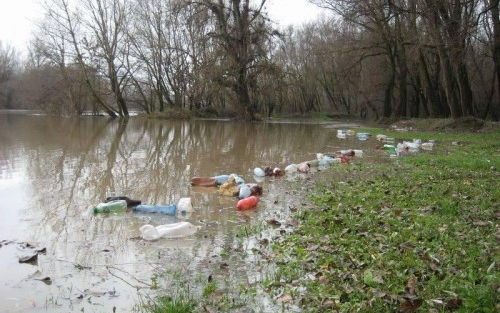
[
  {"x": 492, "y": 8},
  {"x": 239, "y": 32},
  {"x": 8, "y": 63}
]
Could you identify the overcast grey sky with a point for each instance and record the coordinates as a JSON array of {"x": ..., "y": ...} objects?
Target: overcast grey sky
[{"x": 17, "y": 16}]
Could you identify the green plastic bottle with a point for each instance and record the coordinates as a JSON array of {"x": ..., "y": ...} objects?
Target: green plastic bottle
[
  {"x": 111, "y": 206},
  {"x": 390, "y": 148}
]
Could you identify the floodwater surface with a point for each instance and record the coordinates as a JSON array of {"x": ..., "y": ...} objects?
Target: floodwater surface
[{"x": 53, "y": 171}]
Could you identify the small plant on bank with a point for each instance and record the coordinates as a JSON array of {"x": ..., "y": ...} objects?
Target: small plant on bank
[{"x": 177, "y": 304}]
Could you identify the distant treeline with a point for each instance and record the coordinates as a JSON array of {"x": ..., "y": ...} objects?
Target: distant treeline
[{"x": 366, "y": 58}]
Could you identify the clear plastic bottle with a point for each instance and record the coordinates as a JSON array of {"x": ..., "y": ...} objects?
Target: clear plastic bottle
[
  {"x": 221, "y": 179},
  {"x": 259, "y": 172},
  {"x": 390, "y": 148},
  {"x": 244, "y": 192},
  {"x": 170, "y": 209},
  {"x": 111, "y": 206}
]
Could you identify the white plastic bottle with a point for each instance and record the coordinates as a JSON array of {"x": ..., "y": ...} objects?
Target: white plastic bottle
[{"x": 184, "y": 206}]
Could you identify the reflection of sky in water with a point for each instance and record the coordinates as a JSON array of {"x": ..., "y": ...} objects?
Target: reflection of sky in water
[{"x": 12, "y": 205}]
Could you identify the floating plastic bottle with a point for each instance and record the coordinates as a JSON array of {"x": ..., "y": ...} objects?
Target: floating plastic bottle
[
  {"x": 184, "y": 206},
  {"x": 170, "y": 209},
  {"x": 237, "y": 179},
  {"x": 304, "y": 167},
  {"x": 411, "y": 146},
  {"x": 221, "y": 179},
  {"x": 247, "y": 203},
  {"x": 390, "y": 148},
  {"x": 358, "y": 153},
  {"x": 259, "y": 172},
  {"x": 174, "y": 230},
  {"x": 292, "y": 168},
  {"x": 244, "y": 192},
  {"x": 428, "y": 145},
  {"x": 255, "y": 189},
  {"x": 348, "y": 152},
  {"x": 362, "y": 136},
  {"x": 326, "y": 159},
  {"x": 111, "y": 206},
  {"x": 277, "y": 171}
]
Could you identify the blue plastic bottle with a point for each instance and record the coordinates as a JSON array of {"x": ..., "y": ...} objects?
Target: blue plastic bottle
[
  {"x": 221, "y": 179},
  {"x": 170, "y": 209}
]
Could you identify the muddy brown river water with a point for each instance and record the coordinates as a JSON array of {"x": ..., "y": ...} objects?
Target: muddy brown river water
[{"x": 53, "y": 171}]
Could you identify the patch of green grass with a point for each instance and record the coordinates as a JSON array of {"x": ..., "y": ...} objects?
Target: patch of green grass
[
  {"x": 419, "y": 234},
  {"x": 209, "y": 289},
  {"x": 177, "y": 304}
]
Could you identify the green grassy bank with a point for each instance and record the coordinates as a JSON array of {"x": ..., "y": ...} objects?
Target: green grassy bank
[{"x": 418, "y": 234}]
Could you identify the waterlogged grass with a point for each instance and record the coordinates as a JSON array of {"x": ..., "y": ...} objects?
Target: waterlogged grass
[
  {"x": 177, "y": 304},
  {"x": 419, "y": 234}
]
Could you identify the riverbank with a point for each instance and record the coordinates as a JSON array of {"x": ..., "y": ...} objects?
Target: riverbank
[{"x": 419, "y": 234}]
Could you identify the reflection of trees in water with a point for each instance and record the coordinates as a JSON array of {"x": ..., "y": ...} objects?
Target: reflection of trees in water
[{"x": 73, "y": 164}]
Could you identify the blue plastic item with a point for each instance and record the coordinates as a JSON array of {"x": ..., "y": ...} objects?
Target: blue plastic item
[
  {"x": 244, "y": 192},
  {"x": 221, "y": 179},
  {"x": 237, "y": 179},
  {"x": 170, "y": 209}
]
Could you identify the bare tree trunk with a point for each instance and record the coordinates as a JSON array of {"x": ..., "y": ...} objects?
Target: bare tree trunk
[
  {"x": 432, "y": 101},
  {"x": 495, "y": 109}
]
